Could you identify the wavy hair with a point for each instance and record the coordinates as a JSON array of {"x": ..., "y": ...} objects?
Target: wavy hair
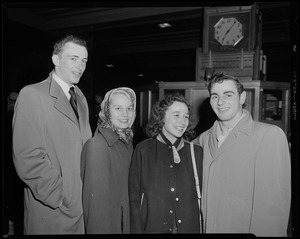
[
  {"x": 220, "y": 77},
  {"x": 58, "y": 46},
  {"x": 156, "y": 122}
]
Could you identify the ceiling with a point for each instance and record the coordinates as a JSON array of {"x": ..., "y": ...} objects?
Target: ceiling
[
  {"x": 128, "y": 35},
  {"x": 133, "y": 27}
]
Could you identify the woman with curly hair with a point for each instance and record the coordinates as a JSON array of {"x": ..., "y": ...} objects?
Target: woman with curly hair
[
  {"x": 162, "y": 192},
  {"x": 105, "y": 162}
]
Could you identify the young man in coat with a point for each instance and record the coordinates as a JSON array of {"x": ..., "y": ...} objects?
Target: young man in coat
[
  {"x": 246, "y": 168},
  {"x": 47, "y": 141}
]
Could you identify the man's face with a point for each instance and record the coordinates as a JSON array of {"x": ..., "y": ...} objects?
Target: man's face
[
  {"x": 226, "y": 102},
  {"x": 70, "y": 63}
]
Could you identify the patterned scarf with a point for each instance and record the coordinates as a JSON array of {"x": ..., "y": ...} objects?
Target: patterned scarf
[
  {"x": 178, "y": 144},
  {"x": 104, "y": 121}
]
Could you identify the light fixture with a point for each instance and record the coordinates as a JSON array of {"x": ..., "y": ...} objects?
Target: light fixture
[
  {"x": 164, "y": 25},
  {"x": 109, "y": 65}
]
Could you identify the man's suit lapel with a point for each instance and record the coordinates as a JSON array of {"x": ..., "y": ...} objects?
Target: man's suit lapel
[
  {"x": 61, "y": 103},
  {"x": 241, "y": 130},
  {"x": 81, "y": 108},
  {"x": 228, "y": 142},
  {"x": 80, "y": 104},
  {"x": 213, "y": 143}
]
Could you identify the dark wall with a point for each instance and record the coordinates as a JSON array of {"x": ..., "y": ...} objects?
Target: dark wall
[{"x": 26, "y": 56}]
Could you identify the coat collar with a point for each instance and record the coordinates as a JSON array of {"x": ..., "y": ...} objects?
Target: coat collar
[
  {"x": 243, "y": 128},
  {"x": 244, "y": 125},
  {"x": 110, "y": 136},
  {"x": 55, "y": 89},
  {"x": 62, "y": 104}
]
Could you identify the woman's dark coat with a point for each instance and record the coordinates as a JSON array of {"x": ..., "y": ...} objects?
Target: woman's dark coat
[
  {"x": 162, "y": 192},
  {"x": 104, "y": 170}
]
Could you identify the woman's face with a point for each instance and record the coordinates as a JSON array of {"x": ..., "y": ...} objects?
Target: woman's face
[
  {"x": 121, "y": 110},
  {"x": 176, "y": 121}
]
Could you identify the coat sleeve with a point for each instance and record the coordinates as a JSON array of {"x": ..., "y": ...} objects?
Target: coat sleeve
[
  {"x": 135, "y": 192},
  {"x": 30, "y": 155},
  {"x": 95, "y": 173},
  {"x": 272, "y": 190}
]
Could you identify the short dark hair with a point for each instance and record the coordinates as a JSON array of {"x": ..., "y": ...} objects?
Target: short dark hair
[
  {"x": 57, "y": 48},
  {"x": 156, "y": 123},
  {"x": 220, "y": 77}
]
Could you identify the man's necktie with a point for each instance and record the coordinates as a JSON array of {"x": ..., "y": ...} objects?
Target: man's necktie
[{"x": 73, "y": 101}]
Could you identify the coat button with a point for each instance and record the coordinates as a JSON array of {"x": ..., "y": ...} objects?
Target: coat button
[
  {"x": 171, "y": 166},
  {"x": 172, "y": 189},
  {"x": 177, "y": 199},
  {"x": 179, "y": 221},
  {"x": 171, "y": 211}
]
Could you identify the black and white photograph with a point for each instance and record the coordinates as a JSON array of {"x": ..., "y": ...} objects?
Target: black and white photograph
[{"x": 150, "y": 119}]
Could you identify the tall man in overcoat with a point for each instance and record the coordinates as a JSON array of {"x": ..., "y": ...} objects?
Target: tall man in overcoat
[{"x": 47, "y": 143}]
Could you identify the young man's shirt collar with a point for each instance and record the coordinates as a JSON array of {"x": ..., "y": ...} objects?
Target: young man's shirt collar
[
  {"x": 65, "y": 87},
  {"x": 221, "y": 137}
]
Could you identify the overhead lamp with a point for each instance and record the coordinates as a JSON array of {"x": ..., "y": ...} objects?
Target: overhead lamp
[{"x": 164, "y": 25}]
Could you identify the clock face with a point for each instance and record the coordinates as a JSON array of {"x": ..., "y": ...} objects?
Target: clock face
[{"x": 228, "y": 31}]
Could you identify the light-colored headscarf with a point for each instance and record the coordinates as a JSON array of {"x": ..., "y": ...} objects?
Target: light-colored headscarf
[{"x": 105, "y": 118}]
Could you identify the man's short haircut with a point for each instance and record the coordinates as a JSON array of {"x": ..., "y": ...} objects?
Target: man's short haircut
[
  {"x": 58, "y": 46},
  {"x": 221, "y": 77}
]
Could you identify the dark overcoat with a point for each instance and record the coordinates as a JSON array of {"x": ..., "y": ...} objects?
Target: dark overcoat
[
  {"x": 162, "y": 192},
  {"x": 105, "y": 164}
]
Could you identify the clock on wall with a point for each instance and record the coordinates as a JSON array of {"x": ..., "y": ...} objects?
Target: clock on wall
[{"x": 230, "y": 29}]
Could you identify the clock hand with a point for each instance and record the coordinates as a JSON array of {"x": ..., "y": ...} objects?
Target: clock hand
[{"x": 228, "y": 30}]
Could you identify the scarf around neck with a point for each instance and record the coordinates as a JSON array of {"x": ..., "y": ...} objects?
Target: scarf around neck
[
  {"x": 104, "y": 121},
  {"x": 178, "y": 144}
]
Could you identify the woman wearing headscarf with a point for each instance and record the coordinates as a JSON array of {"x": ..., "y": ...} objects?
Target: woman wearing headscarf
[
  {"x": 162, "y": 188},
  {"x": 105, "y": 162}
]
